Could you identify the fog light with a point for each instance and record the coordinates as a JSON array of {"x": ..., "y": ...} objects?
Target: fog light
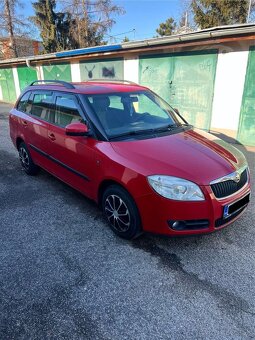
[
  {"x": 179, "y": 225},
  {"x": 188, "y": 225}
]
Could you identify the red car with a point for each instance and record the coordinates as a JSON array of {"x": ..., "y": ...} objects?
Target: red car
[{"x": 125, "y": 148}]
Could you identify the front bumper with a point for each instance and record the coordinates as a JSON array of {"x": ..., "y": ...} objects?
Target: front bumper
[{"x": 159, "y": 215}]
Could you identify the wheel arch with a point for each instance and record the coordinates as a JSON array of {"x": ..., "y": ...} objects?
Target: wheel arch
[
  {"x": 104, "y": 185},
  {"x": 19, "y": 140},
  {"x": 108, "y": 182}
]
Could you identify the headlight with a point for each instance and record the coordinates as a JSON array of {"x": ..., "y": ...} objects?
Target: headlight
[{"x": 176, "y": 188}]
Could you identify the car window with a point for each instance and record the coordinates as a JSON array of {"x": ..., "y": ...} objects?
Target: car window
[
  {"x": 24, "y": 104},
  {"x": 116, "y": 103},
  {"x": 42, "y": 106},
  {"x": 145, "y": 104},
  {"x": 125, "y": 112},
  {"x": 67, "y": 110}
]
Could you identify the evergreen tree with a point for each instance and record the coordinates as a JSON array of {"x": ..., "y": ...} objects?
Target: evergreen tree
[
  {"x": 167, "y": 28},
  {"x": 46, "y": 20},
  {"x": 79, "y": 23},
  {"x": 210, "y": 13},
  {"x": 126, "y": 39}
]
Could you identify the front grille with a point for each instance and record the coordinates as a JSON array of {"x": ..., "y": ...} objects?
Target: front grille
[{"x": 227, "y": 188}]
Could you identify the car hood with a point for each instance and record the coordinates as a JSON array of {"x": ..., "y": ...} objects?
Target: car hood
[{"x": 192, "y": 154}]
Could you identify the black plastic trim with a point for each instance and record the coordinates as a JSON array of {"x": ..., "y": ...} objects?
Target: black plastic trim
[
  {"x": 184, "y": 225},
  {"x": 64, "y": 83},
  {"x": 59, "y": 162},
  {"x": 221, "y": 221},
  {"x": 229, "y": 187}
]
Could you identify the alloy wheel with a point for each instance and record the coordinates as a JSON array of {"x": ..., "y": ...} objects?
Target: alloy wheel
[
  {"x": 117, "y": 213},
  {"x": 24, "y": 158}
]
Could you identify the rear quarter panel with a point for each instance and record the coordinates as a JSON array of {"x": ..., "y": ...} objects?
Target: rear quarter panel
[{"x": 17, "y": 129}]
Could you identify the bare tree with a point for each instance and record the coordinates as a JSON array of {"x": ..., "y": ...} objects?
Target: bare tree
[
  {"x": 91, "y": 19},
  {"x": 8, "y": 11},
  {"x": 12, "y": 24}
]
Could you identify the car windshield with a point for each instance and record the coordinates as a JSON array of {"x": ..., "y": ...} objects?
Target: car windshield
[{"x": 133, "y": 113}]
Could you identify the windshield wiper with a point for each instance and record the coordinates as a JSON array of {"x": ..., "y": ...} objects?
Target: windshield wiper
[
  {"x": 132, "y": 133},
  {"x": 173, "y": 126},
  {"x": 185, "y": 124},
  {"x": 168, "y": 127},
  {"x": 165, "y": 128}
]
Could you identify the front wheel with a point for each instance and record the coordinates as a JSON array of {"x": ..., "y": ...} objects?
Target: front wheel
[
  {"x": 26, "y": 160},
  {"x": 121, "y": 212}
]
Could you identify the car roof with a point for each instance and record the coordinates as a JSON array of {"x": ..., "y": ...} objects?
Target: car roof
[{"x": 91, "y": 87}]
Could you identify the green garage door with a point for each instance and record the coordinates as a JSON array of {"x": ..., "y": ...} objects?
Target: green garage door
[
  {"x": 185, "y": 80},
  {"x": 57, "y": 72},
  {"x": 102, "y": 69},
  {"x": 246, "y": 130},
  {"x": 7, "y": 85},
  {"x": 26, "y": 76}
]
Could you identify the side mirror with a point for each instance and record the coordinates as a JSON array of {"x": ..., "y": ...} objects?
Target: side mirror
[{"x": 77, "y": 129}]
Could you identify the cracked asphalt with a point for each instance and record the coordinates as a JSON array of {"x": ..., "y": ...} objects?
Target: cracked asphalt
[{"x": 65, "y": 275}]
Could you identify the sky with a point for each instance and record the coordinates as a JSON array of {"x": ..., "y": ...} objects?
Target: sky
[
  {"x": 141, "y": 18},
  {"x": 144, "y": 16}
]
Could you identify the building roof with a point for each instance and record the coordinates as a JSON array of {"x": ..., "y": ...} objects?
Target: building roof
[{"x": 210, "y": 36}]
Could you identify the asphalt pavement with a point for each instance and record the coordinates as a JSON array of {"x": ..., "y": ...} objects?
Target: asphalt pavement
[{"x": 65, "y": 275}]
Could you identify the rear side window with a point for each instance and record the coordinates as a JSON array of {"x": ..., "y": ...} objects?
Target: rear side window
[
  {"x": 67, "y": 110},
  {"x": 24, "y": 105},
  {"x": 42, "y": 106}
]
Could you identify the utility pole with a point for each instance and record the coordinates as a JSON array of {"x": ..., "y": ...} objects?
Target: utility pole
[
  {"x": 249, "y": 12},
  {"x": 7, "y": 10},
  {"x": 186, "y": 20}
]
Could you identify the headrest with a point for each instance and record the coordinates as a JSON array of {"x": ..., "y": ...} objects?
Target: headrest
[{"x": 101, "y": 101}]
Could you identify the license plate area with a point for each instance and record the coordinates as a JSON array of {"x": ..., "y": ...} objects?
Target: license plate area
[{"x": 232, "y": 208}]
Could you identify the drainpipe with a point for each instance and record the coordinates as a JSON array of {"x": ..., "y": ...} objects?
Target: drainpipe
[{"x": 38, "y": 70}]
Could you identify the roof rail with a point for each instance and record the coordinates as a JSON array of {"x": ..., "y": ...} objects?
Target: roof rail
[
  {"x": 112, "y": 81},
  {"x": 64, "y": 83}
]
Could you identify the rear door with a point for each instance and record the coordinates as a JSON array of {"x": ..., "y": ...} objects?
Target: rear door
[{"x": 73, "y": 157}]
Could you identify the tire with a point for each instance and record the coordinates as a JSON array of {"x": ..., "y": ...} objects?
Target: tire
[
  {"x": 121, "y": 212},
  {"x": 26, "y": 160}
]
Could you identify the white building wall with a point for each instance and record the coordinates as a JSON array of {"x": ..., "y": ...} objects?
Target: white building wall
[
  {"x": 131, "y": 69},
  {"x": 228, "y": 89},
  {"x": 75, "y": 72},
  {"x": 16, "y": 81},
  {"x": 39, "y": 71}
]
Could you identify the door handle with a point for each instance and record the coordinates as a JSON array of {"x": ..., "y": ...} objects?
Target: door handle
[
  {"x": 24, "y": 123},
  {"x": 51, "y": 136}
]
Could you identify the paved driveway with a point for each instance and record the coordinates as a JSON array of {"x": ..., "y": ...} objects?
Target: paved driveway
[{"x": 64, "y": 275}]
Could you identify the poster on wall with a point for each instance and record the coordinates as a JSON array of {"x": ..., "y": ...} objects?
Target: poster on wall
[{"x": 106, "y": 69}]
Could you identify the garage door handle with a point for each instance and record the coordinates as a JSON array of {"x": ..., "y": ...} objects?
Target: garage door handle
[{"x": 51, "y": 136}]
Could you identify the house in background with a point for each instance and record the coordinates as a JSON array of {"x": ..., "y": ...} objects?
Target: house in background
[
  {"x": 25, "y": 47},
  {"x": 208, "y": 75}
]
